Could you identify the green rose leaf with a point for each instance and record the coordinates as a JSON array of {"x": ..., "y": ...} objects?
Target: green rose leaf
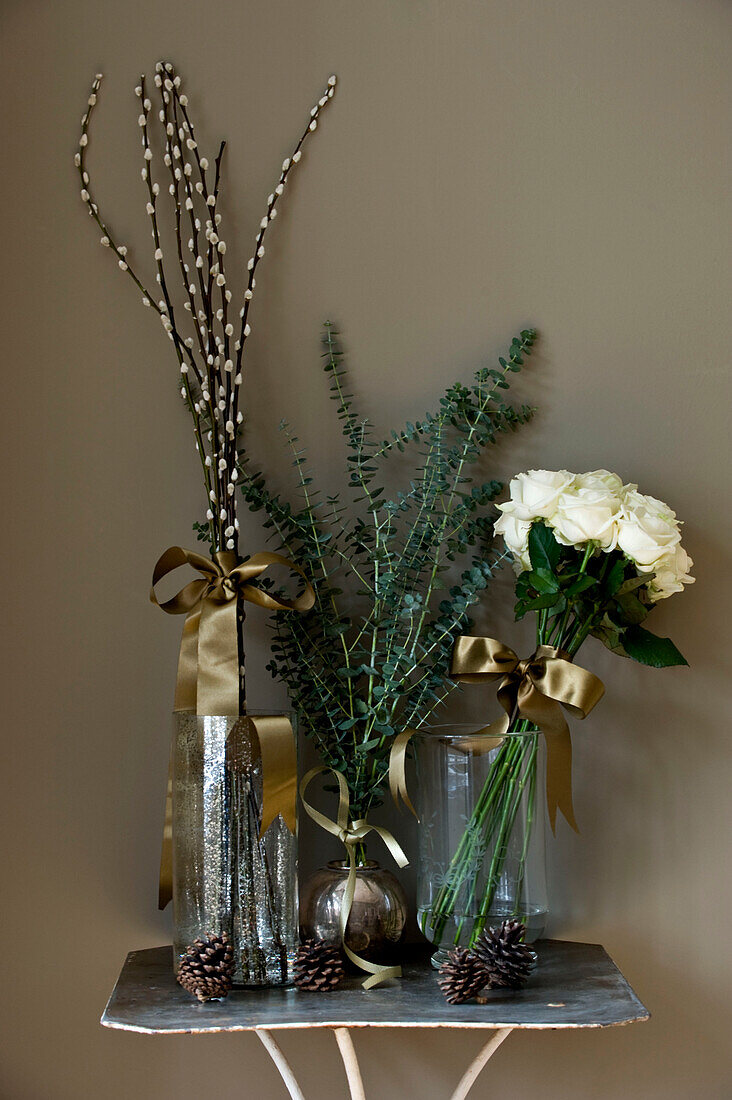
[
  {"x": 614, "y": 580},
  {"x": 609, "y": 635},
  {"x": 631, "y": 609},
  {"x": 580, "y": 585},
  {"x": 544, "y": 550},
  {"x": 543, "y": 581},
  {"x": 551, "y": 600},
  {"x": 634, "y": 582},
  {"x": 651, "y": 650},
  {"x": 521, "y": 588}
]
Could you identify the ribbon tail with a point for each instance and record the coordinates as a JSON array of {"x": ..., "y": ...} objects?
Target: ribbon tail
[
  {"x": 185, "y": 684},
  {"x": 379, "y": 973},
  {"x": 279, "y": 770},
  {"x": 559, "y": 776},
  {"x": 217, "y": 690},
  {"x": 490, "y": 737},
  {"x": 165, "y": 882},
  {"x": 397, "y": 770},
  {"x": 546, "y": 713}
]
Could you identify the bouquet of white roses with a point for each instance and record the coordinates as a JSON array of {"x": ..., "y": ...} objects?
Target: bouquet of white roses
[
  {"x": 593, "y": 557},
  {"x": 598, "y": 509}
]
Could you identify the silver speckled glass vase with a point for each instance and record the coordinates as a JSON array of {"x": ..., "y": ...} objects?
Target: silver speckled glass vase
[{"x": 225, "y": 878}]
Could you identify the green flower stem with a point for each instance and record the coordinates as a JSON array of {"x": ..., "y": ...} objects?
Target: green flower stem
[
  {"x": 360, "y": 852},
  {"x": 496, "y": 819},
  {"x": 530, "y": 807},
  {"x": 461, "y": 862},
  {"x": 508, "y": 821},
  {"x": 493, "y": 820}
]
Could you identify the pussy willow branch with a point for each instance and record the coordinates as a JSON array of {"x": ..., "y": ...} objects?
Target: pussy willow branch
[
  {"x": 209, "y": 358},
  {"x": 209, "y": 341}
]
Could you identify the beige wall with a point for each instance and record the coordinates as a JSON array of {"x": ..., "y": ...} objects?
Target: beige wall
[{"x": 485, "y": 165}]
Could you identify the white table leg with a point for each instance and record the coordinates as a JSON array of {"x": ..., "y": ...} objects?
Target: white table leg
[
  {"x": 468, "y": 1079},
  {"x": 285, "y": 1070},
  {"x": 350, "y": 1063}
]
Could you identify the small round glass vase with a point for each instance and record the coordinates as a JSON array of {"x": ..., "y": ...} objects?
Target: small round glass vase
[
  {"x": 378, "y": 913},
  {"x": 481, "y": 839}
]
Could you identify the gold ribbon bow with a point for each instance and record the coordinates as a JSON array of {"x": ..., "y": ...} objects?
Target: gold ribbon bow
[
  {"x": 208, "y": 664},
  {"x": 208, "y": 673},
  {"x": 536, "y": 689},
  {"x": 351, "y": 834}
]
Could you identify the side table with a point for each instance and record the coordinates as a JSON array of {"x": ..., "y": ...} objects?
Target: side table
[{"x": 575, "y": 985}]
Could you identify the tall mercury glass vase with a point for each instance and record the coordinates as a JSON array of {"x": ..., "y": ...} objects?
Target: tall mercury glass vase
[
  {"x": 480, "y": 801},
  {"x": 225, "y": 878}
]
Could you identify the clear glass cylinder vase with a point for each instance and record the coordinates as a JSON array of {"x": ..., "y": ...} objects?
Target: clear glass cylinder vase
[
  {"x": 481, "y": 840},
  {"x": 225, "y": 878}
]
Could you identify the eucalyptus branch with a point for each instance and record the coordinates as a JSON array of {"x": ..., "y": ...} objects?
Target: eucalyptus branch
[
  {"x": 319, "y": 555},
  {"x": 387, "y": 667},
  {"x": 447, "y": 512}
]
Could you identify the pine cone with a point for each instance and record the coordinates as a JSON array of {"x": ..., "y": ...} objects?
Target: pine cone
[
  {"x": 207, "y": 967},
  {"x": 318, "y": 966},
  {"x": 462, "y": 976},
  {"x": 505, "y": 958}
]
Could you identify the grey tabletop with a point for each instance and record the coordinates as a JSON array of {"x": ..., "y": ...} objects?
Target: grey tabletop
[{"x": 574, "y": 985}]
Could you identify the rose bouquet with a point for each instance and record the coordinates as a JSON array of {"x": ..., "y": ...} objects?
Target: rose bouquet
[{"x": 593, "y": 557}]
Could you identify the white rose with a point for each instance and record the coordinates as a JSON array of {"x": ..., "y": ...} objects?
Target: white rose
[
  {"x": 602, "y": 479},
  {"x": 647, "y": 530},
  {"x": 671, "y": 574},
  {"x": 515, "y": 534},
  {"x": 534, "y": 495},
  {"x": 633, "y": 499},
  {"x": 585, "y": 515}
]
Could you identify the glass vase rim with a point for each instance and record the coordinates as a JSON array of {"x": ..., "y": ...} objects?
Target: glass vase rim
[
  {"x": 250, "y": 712},
  {"x": 369, "y": 867},
  {"x": 459, "y": 731}
]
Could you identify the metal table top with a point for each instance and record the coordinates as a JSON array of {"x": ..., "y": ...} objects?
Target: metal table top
[{"x": 574, "y": 985}]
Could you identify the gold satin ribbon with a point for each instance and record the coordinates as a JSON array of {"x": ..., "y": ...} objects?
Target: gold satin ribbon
[
  {"x": 351, "y": 834},
  {"x": 398, "y": 770},
  {"x": 536, "y": 689},
  {"x": 476, "y": 743},
  {"x": 208, "y": 672},
  {"x": 208, "y": 663}
]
